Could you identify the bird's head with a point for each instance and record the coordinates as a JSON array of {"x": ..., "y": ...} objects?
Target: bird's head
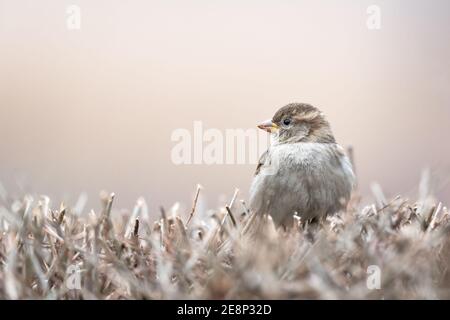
[{"x": 299, "y": 122}]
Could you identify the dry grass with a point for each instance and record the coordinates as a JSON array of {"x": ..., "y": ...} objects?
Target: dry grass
[{"x": 232, "y": 254}]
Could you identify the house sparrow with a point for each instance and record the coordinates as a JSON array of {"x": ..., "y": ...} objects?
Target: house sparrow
[{"x": 304, "y": 171}]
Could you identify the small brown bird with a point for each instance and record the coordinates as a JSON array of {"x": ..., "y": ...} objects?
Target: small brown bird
[{"x": 304, "y": 171}]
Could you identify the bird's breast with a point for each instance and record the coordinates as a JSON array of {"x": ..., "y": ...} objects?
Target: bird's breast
[{"x": 300, "y": 156}]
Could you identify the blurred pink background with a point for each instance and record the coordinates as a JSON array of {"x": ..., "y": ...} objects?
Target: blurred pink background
[{"x": 94, "y": 109}]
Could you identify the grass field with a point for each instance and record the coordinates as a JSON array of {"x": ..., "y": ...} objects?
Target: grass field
[{"x": 59, "y": 252}]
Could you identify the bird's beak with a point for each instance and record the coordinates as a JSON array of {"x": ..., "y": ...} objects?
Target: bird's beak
[{"x": 268, "y": 126}]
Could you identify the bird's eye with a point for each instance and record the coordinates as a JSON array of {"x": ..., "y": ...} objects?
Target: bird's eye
[{"x": 287, "y": 121}]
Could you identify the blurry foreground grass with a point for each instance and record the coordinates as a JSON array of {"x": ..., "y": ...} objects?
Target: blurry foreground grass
[{"x": 61, "y": 253}]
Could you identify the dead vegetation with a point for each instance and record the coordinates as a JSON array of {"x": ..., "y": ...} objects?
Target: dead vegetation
[{"x": 62, "y": 253}]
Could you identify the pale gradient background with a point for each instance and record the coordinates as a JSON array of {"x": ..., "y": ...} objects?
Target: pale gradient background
[{"x": 94, "y": 109}]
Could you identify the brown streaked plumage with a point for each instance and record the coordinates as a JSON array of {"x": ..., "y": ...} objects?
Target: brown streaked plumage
[{"x": 304, "y": 172}]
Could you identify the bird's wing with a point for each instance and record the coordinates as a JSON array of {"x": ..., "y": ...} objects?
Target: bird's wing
[{"x": 261, "y": 162}]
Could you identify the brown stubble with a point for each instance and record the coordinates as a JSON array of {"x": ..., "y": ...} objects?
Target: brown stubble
[{"x": 218, "y": 257}]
